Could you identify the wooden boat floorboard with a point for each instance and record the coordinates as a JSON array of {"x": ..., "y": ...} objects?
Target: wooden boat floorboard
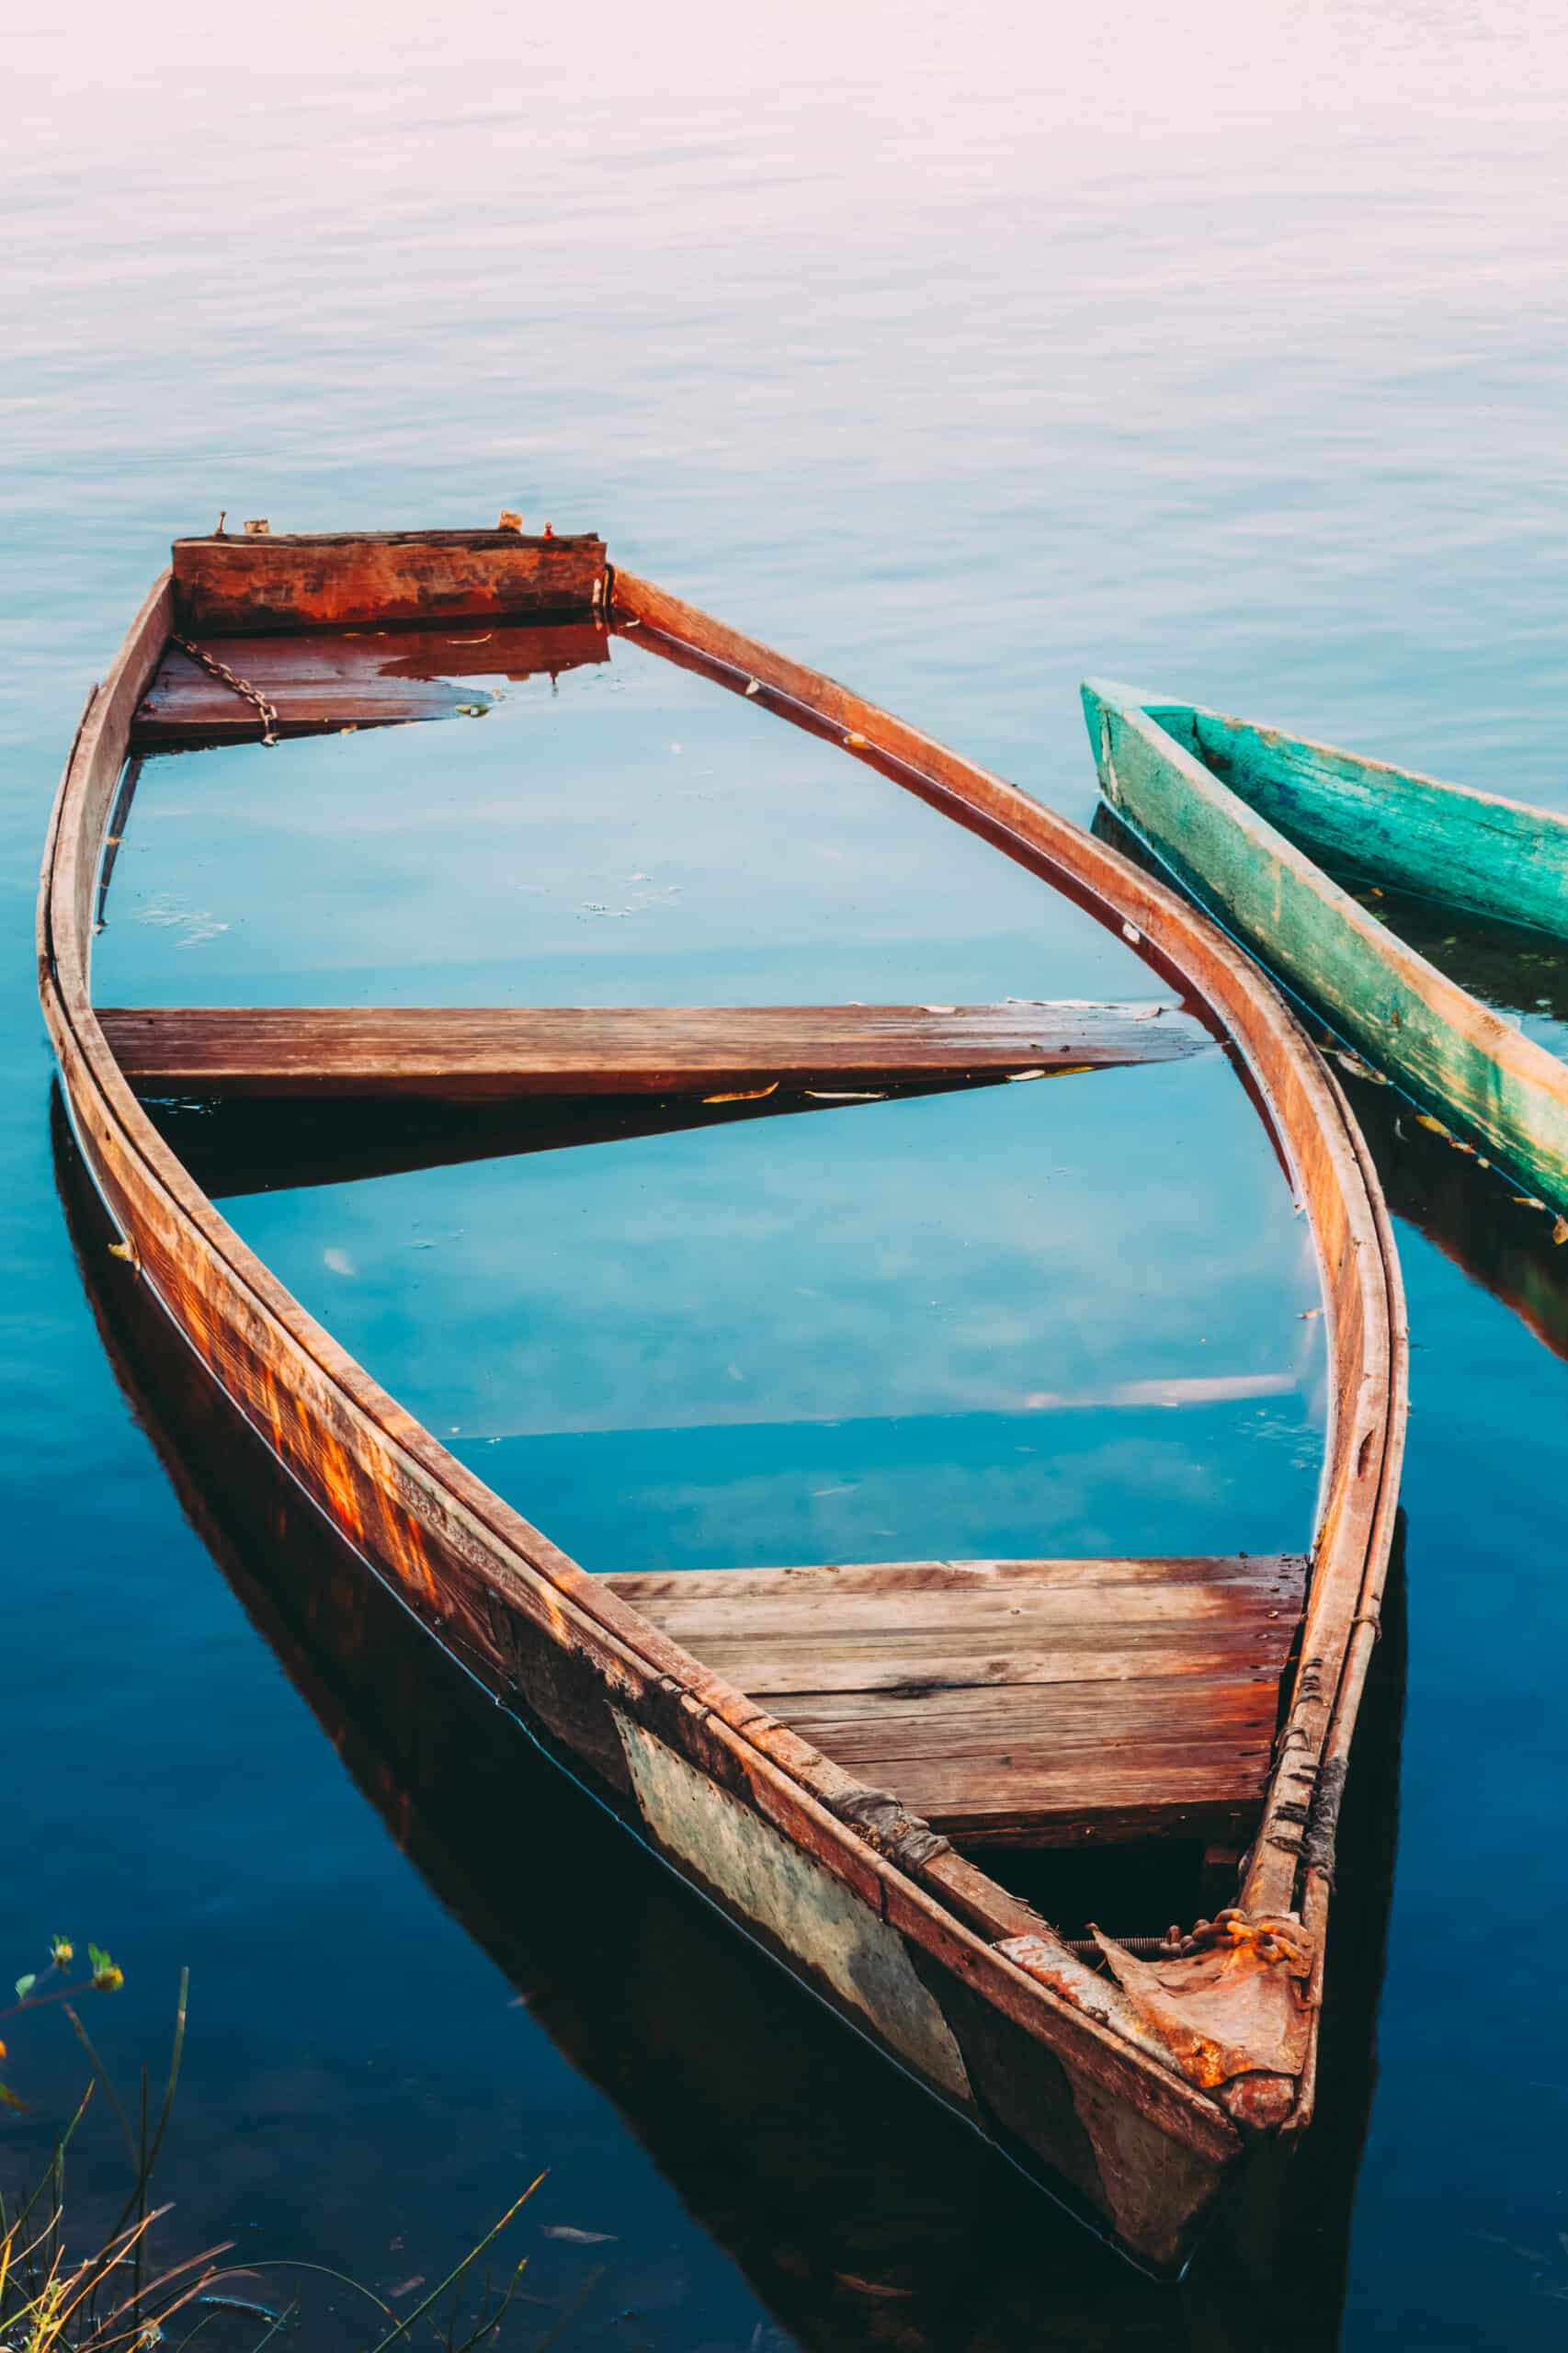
[
  {"x": 1025, "y": 1703},
  {"x": 328, "y": 680},
  {"x": 624, "y": 1050}
]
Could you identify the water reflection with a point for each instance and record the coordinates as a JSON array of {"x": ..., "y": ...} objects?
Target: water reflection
[{"x": 858, "y": 2210}]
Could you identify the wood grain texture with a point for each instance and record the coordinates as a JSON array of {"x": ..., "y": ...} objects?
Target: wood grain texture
[
  {"x": 324, "y": 680},
  {"x": 328, "y": 580},
  {"x": 1454, "y": 1054},
  {"x": 1025, "y": 1703},
  {"x": 492, "y": 1054},
  {"x": 1106, "y": 2103}
]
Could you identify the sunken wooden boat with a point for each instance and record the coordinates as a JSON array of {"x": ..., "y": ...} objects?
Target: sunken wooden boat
[
  {"x": 1138, "y": 2081},
  {"x": 823, "y": 2174},
  {"x": 1247, "y": 817}
]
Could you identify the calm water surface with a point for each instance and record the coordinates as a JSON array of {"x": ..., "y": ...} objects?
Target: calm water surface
[{"x": 959, "y": 354}]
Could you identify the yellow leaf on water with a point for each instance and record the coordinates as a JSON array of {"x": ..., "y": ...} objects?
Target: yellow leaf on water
[
  {"x": 1560, "y": 1231},
  {"x": 1424, "y": 1120},
  {"x": 743, "y": 1095},
  {"x": 122, "y": 1250}
]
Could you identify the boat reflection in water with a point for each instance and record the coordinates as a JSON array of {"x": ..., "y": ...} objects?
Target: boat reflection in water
[{"x": 859, "y": 2211}]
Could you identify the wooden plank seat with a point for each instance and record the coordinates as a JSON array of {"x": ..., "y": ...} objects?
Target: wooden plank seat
[
  {"x": 239, "y": 584},
  {"x": 1025, "y": 1703},
  {"x": 580, "y": 1049}
]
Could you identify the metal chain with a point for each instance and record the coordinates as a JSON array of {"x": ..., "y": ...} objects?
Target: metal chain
[{"x": 220, "y": 671}]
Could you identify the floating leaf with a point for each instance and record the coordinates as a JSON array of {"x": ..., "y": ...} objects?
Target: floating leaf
[
  {"x": 8, "y": 2099},
  {"x": 122, "y": 1250},
  {"x": 1560, "y": 1231},
  {"x": 25, "y": 1985},
  {"x": 743, "y": 1095},
  {"x": 855, "y": 742},
  {"x": 870, "y": 2287},
  {"x": 1424, "y": 1120},
  {"x": 1130, "y": 931},
  {"x": 574, "y": 2238},
  {"x": 755, "y": 687}
]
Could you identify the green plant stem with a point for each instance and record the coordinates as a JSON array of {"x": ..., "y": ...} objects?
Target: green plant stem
[{"x": 456, "y": 2273}]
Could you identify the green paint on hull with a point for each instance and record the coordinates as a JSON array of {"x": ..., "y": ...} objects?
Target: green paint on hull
[{"x": 1240, "y": 814}]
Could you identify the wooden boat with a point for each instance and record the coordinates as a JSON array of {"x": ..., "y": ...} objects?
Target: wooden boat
[
  {"x": 1243, "y": 814},
  {"x": 1137, "y": 2080},
  {"x": 837, "y": 2189}
]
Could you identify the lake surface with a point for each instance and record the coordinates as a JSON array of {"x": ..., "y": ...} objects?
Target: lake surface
[{"x": 959, "y": 356}]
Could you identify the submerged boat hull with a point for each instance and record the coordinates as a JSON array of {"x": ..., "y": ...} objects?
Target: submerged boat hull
[{"x": 960, "y": 1983}]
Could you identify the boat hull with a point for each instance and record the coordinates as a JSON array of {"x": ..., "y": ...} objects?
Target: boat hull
[
  {"x": 1457, "y": 1056},
  {"x": 912, "y": 1944}
]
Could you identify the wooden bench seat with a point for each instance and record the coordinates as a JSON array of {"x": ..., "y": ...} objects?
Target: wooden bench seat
[
  {"x": 495, "y": 1052},
  {"x": 1029, "y": 1703}
]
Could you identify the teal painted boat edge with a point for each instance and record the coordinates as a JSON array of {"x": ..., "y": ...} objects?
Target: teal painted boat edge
[
  {"x": 1455, "y": 1054},
  {"x": 1473, "y": 850}
]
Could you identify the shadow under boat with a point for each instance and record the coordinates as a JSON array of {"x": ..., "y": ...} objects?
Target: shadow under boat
[
  {"x": 241, "y": 1145},
  {"x": 859, "y": 2209}
]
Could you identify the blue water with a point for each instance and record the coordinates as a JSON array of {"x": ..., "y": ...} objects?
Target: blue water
[{"x": 1225, "y": 351}]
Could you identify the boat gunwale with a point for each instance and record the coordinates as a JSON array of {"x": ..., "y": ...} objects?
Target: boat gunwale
[
  {"x": 1481, "y": 1025},
  {"x": 1367, "y": 1404}
]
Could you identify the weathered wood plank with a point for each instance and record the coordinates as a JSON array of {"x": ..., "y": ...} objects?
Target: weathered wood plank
[
  {"x": 243, "y": 585},
  {"x": 969, "y": 1581},
  {"x": 493, "y": 1052},
  {"x": 318, "y": 681},
  {"x": 1027, "y": 1702}
]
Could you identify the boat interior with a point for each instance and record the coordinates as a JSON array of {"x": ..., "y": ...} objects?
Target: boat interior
[
  {"x": 859, "y": 2189},
  {"x": 1093, "y": 1717}
]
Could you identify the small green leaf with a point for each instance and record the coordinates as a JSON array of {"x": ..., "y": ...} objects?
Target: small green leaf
[
  {"x": 8, "y": 2099},
  {"x": 25, "y": 1985}
]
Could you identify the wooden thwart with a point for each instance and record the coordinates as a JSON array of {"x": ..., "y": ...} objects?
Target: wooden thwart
[
  {"x": 233, "y": 584},
  {"x": 496, "y": 1053},
  {"x": 1014, "y": 1702}
]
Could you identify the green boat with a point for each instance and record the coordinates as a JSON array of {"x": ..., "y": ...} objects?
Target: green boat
[{"x": 1243, "y": 814}]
